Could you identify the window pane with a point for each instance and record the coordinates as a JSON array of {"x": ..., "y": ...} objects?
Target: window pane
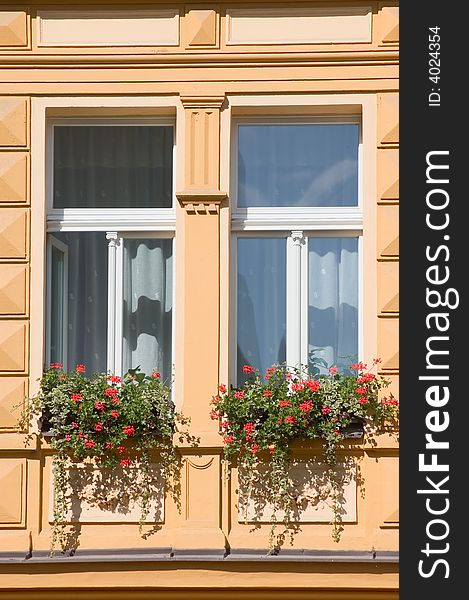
[
  {"x": 87, "y": 300},
  {"x": 148, "y": 306},
  {"x": 57, "y": 282},
  {"x": 113, "y": 166},
  {"x": 333, "y": 300},
  {"x": 261, "y": 303},
  {"x": 298, "y": 165}
]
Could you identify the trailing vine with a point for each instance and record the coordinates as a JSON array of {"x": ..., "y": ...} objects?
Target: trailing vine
[
  {"x": 119, "y": 425},
  {"x": 260, "y": 419}
]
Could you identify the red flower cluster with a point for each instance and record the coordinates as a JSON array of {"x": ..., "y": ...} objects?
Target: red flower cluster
[
  {"x": 111, "y": 391},
  {"x": 247, "y": 369},
  {"x": 239, "y": 395},
  {"x": 285, "y": 403},
  {"x": 391, "y": 401},
  {"x": 306, "y": 406},
  {"x": 114, "y": 378},
  {"x": 290, "y": 419},
  {"x": 129, "y": 430},
  {"x": 56, "y": 366},
  {"x": 80, "y": 368},
  {"x": 155, "y": 375},
  {"x": 366, "y": 378},
  {"x": 76, "y": 397},
  {"x": 99, "y": 405},
  {"x": 99, "y": 426},
  {"x": 326, "y": 410}
]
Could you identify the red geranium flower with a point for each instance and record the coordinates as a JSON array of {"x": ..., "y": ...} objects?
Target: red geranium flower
[
  {"x": 239, "y": 395},
  {"x": 284, "y": 403},
  {"x": 248, "y": 369},
  {"x": 125, "y": 462},
  {"x": 290, "y": 419},
  {"x": 228, "y": 439},
  {"x": 129, "y": 430},
  {"x": 99, "y": 427},
  {"x": 326, "y": 410},
  {"x": 267, "y": 393},
  {"x": 80, "y": 368}
]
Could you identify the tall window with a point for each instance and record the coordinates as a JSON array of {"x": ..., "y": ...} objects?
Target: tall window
[
  {"x": 297, "y": 224},
  {"x": 110, "y": 236}
]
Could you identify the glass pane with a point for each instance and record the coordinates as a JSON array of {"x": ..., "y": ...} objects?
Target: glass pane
[
  {"x": 333, "y": 301},
  {"x": 261, "y": 308},
  {"x": 57, "y": 281},
  {"x": 87, "y": 300},
  {"x": 148, "y": 306},
  {"x": 298, "y": 165},
  {"x": 113, "y": 166}
]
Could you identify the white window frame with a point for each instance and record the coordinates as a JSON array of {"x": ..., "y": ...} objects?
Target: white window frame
[
  {"x": 296, "y": 225},
  {"x": 118, "y": 225},
  {"x": 53, "y": 242}
]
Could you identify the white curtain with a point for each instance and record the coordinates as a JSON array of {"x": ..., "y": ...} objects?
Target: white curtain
[
  {"x": 333, "y": 300},
  {"x": 261, "y": 306},
  {"x": 147, "y": 305}
]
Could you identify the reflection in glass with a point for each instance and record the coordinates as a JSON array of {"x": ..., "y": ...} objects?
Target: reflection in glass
[
  {"x": 333, "y": 300},
  {"x": 261, "y": 303},
  {"x": 298, "y": 165},
  {"x": 148, "y": 305}
]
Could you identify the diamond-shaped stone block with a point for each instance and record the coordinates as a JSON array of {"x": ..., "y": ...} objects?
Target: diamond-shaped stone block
[
  {"x": 13, "y": 391},
  {"x": 13, "y": 346},
  {"x": 388, "y": 119},
  {"x": 388, "y": 343},
  {"x": 388, "y": 287},
  {"x": 13, "y": 289},
  {"x": 12, "y": 482},
  {"x": 13, "y": 176},
  {"x": 13, "y": 117},
  {"x": 13, "y": 233},
  {"x": 389, "y": 25},
  {"x": 388, "y": 174},
  {"x": 388, "y": 231},
  {"x": 13, "y": 28},
  {"x": 201, "y": 27}
]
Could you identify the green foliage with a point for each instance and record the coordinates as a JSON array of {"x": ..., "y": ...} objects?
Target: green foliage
[
  {"x": 270, "y": 411},
  {"x": 115, "y": 423}
]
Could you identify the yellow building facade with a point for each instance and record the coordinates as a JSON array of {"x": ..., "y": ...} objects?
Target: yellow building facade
[{"x": 207, "y": 75}]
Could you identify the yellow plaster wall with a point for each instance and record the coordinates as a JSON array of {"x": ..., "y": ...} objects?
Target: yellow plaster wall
[{"x": 204, "y": 77}]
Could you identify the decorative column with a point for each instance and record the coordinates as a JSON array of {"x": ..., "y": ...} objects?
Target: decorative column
[
  {"x": 198, "y": 329},
  {"x": 111, "y": 293},
  {"x": 294, "y": 301}
]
